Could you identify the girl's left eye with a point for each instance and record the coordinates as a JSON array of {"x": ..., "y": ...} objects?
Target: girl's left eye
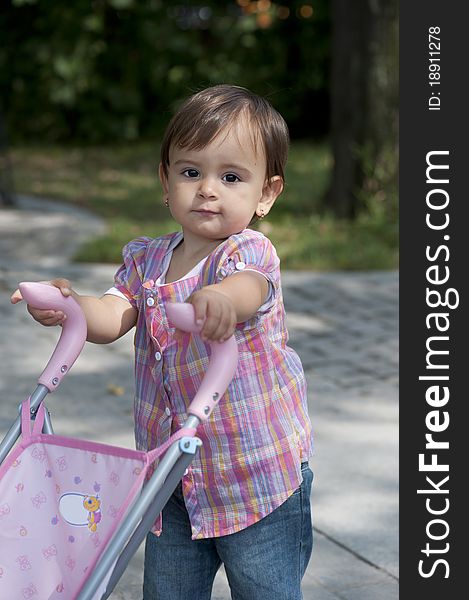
[{"x": 231, "y": 178}]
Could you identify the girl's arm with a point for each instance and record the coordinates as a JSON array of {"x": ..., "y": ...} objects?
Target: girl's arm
[
  {"x": 108, "y": 318},
  {"x": 235, "y": 300}
]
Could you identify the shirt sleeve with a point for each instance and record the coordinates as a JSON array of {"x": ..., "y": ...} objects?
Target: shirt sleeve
[
  {"x": 113, "y": 291},
  {"x": 252, "y": 251},
  {"x": 129, "y": 277}
]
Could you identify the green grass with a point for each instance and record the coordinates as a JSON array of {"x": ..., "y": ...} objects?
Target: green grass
[{"x": 120, "y": 184}]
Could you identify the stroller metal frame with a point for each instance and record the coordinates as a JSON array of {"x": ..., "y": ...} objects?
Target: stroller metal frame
[{"x": 172, "y": 466}]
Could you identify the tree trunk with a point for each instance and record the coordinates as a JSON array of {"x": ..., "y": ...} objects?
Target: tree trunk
[
  {"x": 363, "y": 98},
  {"x": 7, "y": 196}
]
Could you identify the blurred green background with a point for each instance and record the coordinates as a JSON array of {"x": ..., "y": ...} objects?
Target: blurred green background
[{"x": 87, "y": 87}]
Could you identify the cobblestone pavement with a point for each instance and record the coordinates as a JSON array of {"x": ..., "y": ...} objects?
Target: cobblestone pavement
[{"x": 343, "y": 325}]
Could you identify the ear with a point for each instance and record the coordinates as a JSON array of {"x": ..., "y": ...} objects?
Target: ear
[
  {"x": 270, "y": 192},
  {"x": 163, "y": 180}
]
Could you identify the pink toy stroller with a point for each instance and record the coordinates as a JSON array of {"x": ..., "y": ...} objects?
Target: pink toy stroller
[{"x": 73, "y": 512}]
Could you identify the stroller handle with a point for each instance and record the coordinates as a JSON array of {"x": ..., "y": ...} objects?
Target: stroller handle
[
  {"x": 74, "y": 329},
  {"x": 222, "y": 364}
]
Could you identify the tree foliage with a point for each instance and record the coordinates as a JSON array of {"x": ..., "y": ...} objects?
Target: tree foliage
[
  {"x": 104, "y": 70},
  {"x": 100, "y": 71}
]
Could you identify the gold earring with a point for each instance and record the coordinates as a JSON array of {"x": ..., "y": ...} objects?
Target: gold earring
[
  {"x": 166, "y": 202},
  {"x": 262, "y": 215}
]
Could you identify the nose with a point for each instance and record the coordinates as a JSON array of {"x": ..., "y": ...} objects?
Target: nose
[{"x": 207, "y": 188}]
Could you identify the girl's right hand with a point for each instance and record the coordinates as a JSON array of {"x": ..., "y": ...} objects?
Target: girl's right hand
[{"x": 48, "y": 318}]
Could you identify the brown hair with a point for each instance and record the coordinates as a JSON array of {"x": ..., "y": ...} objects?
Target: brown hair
[{"x": 205, "y": 114}]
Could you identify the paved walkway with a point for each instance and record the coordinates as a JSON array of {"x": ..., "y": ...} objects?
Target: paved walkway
[{"x": 344, "y": 327}]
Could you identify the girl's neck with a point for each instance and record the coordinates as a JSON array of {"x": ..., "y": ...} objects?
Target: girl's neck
[
  {"x": 193, "y": 250},
  {"x": 187, "y": 254}
]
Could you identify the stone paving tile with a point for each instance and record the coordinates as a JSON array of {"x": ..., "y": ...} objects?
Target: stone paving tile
[{"x": 343, "y": 574}]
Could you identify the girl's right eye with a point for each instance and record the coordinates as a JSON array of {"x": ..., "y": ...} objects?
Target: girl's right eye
[{"x": 190, "y": 173}]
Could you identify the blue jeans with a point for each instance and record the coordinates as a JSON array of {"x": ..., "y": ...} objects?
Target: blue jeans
[{"x": 265, "y": 561}]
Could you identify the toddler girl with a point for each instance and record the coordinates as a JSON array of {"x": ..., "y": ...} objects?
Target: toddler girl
[{"x": 245, "y": 500}]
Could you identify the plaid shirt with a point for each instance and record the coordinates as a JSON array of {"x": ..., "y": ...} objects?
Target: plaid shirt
[{"x": 259, "y": 433}]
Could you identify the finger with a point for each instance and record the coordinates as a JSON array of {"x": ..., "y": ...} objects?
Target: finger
[
  {"x": 47, "y": 317},
  {"x": 212, "y": 323},
  {"x": 225, "y": 327},
  {"x": 229, "y": 331},
  {"x": 63, "y": 284},
  {"x": 200, "y": 305},
  {"x": 217, "y": 326},
  {"x": 230, "y": 324},
  {"x": 16, "y": 297},
  {"x": 52, "y": 321}
]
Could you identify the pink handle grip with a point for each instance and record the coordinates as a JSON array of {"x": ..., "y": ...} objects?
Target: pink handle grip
[
  {"x": 221, "y": 368},
  {"x": 74, "y": 329}
]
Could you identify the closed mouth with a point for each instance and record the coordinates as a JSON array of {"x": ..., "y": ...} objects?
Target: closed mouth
[{"x": 205, "y": 211}]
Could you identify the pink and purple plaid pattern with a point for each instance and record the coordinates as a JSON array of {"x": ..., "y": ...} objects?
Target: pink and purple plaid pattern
[{"x": 257, "y": 437}]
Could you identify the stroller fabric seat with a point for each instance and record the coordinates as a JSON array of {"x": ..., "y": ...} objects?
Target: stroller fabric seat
[{"x": 61, "y": 500}]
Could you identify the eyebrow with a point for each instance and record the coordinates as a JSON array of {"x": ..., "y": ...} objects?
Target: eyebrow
[
  {"x": 234, "y": 166},
  {"x": 184, "y": 161}
]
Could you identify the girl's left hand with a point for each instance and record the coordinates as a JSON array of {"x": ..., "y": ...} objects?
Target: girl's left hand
[{"x": 217, "y": 313}]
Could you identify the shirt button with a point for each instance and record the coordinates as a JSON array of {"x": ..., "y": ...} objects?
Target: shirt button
[
  {"x": 158, "y": 355},
  {"x": 240, "y": 265},
  {"x": 150, "y": 301},
  {"x": 167, "y": 411}
]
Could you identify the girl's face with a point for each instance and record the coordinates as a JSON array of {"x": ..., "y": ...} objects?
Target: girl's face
[{"x": 215, "y": 191}]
